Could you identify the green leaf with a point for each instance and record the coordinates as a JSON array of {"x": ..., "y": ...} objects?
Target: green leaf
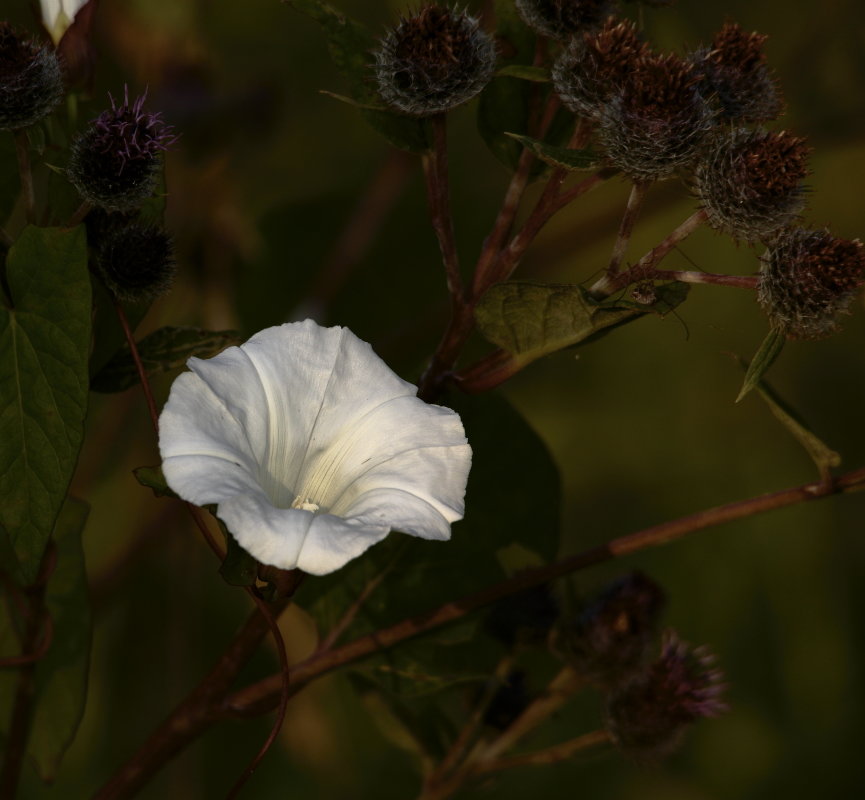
[
  {"x": 505, "y": 101},
  {"x": 152, "y": 478},
  {"x": 351, "y": 45},
  {"x": 238, "y": 568},
  {"x": 557, "y": 156},
  {"x": 525, "y": 72},
  {"x": 821, "y": 454},
  {"x": 44, "y": 342},
  {"x": 765, "y": 356},
  {"x": 530, "y": 320},
  {"x": 61, "y": 675},
  {"x": 161, "y": 351}
]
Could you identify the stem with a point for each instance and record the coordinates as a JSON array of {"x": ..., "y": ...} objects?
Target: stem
[
  {"x": 643, "y": 269},
  {"x": 194, "y": 715},
  {"x": 80, "y": 213},
  {"x": 629, "y": 219},
  {"x": 734, "y": 281},
  {"x": 139, "y": 366},
  {"x": 489, "y": 372},
  {"x": 18, "y": 730},
  {"x": 260, "y": 696},
  {"x": 22, "y": 148},
  {"x": 550, "y": 755}
]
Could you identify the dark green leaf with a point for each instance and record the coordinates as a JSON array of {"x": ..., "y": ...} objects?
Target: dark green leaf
[
  {"x": 765, "y": 356},
  {"x": 822, "y": 455},
  {"x": 351, "y": 45},
  {"x": 530, "y": 320},
  {"x": 152, "y": 478},
  {"x": 505, "y": 101},
  {"x": 61, "y": 675},
  {"x": 44, "y": 341},
  {"x": 559, "y": 156},
  {"x": 161, "y": 351},
  {"x": 238, "y": 568},
  {"x": 525, "y": 72}
]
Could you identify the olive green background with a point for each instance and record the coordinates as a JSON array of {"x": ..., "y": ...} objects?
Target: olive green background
[{"x": 642, "y": 424}]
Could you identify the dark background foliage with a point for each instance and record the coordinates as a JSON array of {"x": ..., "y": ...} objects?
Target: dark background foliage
[{"x": 642, "y": 424}]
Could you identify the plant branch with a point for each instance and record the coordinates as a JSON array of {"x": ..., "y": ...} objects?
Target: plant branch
[
  {"x": 18, "y": 729},
  {"x": 629, "y": 219},
  {"x": 550, "y": 755},
  {"x": 261, "y": 696}
]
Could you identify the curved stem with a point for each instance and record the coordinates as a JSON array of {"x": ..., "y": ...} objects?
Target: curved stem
[
  {"x": 261, "y": 696},
  {"x": 626, "y": 228},
  {"x": 550, "y": 755}
]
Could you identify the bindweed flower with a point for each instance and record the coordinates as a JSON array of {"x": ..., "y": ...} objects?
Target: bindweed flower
[
  {"x": 649, "y": 715},
  {"x": 312, "y": 448},
  {"x": 115, "y": 162},
  {"x": 434, "y": 60},
  {"x": 31, "y": 83},
  {"x": 58, "y": 15},
  {"x": 807, "y": 278}
]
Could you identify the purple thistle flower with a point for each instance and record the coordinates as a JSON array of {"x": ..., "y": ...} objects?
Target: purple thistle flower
[
  {"x": 648, "y": 716},
  {"x": 115, "y": 162}
]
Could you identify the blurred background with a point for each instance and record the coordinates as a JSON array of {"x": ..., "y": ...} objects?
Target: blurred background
[{"x": 285, "y": 205}]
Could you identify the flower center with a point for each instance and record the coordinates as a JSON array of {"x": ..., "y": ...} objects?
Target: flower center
[{"x": 304, "y": 505}]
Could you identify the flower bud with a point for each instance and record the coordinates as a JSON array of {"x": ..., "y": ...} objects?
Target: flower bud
[
  {"x": 656, "y": 123},
  {"x": 115, "y": 163},
  {"x": 593, "y": 67},
  {"x": 31, "y": 83},
  {"x": 524, "y": 618},
  {"x": 434, "y": 60},
  {"x": 562, "y": 19},
  {"x": 750, "y": 182},
  {"x": 648, "y": 716},
  {"x": 135, "y": 261},
  {"x": 807, "y": 278},
  {"x": 611, "y": 637},
  {"x": 737, "y": 78}
]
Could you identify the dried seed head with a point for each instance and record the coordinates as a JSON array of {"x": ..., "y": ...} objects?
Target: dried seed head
[
  {"x": 114, "y": 164},
  {"x": 737, "y": 78},
  {"x": 656, "y": 123},
  {"x": 433, "y": 61},
  {"x": 648, "y": 716},
  {"x": 31, "y": 83},
  {"x": 612, "y": 636},
  {"x": 562, "y": 19},
  {"x": 593, "y": 67},
  {"x": 135, "y": 261},
  {"x": 807, "y": 278},
  {"x": 750, "y": 182}
]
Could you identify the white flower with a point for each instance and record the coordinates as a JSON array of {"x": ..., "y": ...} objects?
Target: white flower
[
  {"x": 57, "y": 15},
  {"x": 312, "y": 448}
]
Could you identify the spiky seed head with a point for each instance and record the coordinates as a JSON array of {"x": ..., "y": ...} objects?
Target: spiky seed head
[
  {"x": 657, "y": 122},
  {"x": 135, "y": 260},
  {"x": 611, "y": 637},
  {"x": 434, "y": 60},
  {"x": 736, "y": 77},
  {"x": 807, "y": 278},
  {"x": 31, "y": 82},
  {"x": 750, "y": 181},
  {"x": 648, "y": 715},
  {"x": 594, "y": 66},
  {"x": 562, "y": 19},
  {"x": 114, "y": 164}
]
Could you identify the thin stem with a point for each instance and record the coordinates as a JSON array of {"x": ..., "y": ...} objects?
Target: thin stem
[
  {"x": 195, "y": 714},
  {"x": 261, "y": 696},
  {"x": 550, "y": 755},
  {"x": 80, "y": 213},
  {"x": 139, "y": 366},
  {"x": 629, "y": 219},
  {"x": 18, "y": 729},
  {"x": 644, "y": 267},
  {"x": 41, "y": 647},
  {"x": 487, "y": 373},
  {"x": 25, "y": 172},
  {"x": 692, "y": 276},
  {"x": 560, "y": 690}
]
